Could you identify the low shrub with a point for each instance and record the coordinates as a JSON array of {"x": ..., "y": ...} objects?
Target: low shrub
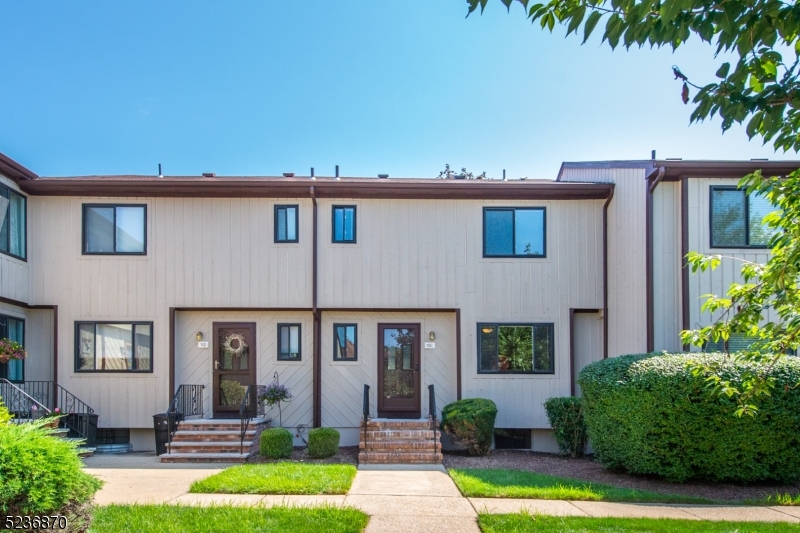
[
  {"x": 649, "y": 414},
  {"x": 276, "y": 443},
  {"x": 323, "y": 442},
  {"x": 566, "y": 419},
  {"x": 5, "y": 416},
  {"x": 471, "y": 423},
  {"x": 41, "y": 475}
]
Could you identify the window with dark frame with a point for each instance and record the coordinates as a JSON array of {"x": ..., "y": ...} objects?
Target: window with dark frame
[
  {"x": 13, "y": 329},
  {"x": 514, "y": 232},
  {"x": 516, "y": 349},
  {"x": 344, "y": 223},
  {"x": 111, "y": 229},
  {"x": 113, "y": 346},
  {"x": 736, "y": 218},
  {"x": 286, "y": 223},
  {"x": 345, "y": 342},
  {"x": 289, "y": 342},
  {"x": 13, "y": 225}
]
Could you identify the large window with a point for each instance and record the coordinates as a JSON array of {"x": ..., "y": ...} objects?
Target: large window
[
  {"x": 736, "y": 219},
  {"x": 515, "y": 348},
  {"x": 13, "y": 235},
  {"x": 289, "y": 342},
  {"x": 345, "y": 342},
  {"x": 514, "y": 232},
  {"x": 286, "y": 223},
  {"x": 113, "y": 347},
  {"x": 344, "y": 223},
  {"x": 114, "y": 229},
  {"x": 13, "y": 329}
]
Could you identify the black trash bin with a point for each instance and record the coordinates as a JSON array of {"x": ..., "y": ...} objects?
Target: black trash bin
[
  {"x": 85, "y": 422},
  {"x": 162, "y": 426}
]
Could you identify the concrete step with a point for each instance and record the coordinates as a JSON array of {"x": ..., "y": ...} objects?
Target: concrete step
[
  {"x": 211, "y": 447},
  {"x": 399, "y": 458},
  {"x": 203, "y": 458},
  {"x": 86, "y": 452},
  {"x": 401, "y": 446},
  {"x": 405, "y": 434},
  {"x": 208, "y": 436}
]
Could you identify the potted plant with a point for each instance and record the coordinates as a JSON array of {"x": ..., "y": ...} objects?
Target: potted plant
[
  {"x": 52, "y": 418},
  {"x": 11, "y": 350},
  {"x": 274, "y": 394}
]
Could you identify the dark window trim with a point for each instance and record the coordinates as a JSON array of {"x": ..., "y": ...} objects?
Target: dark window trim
[
  {"x": 514, "y": 233},
  {"x": 355, "y": 341},
  {"x": 24, "y": 334},
  {"x": 83, "y": 221},
  {"x": 746, "y": 219},
  {"x": 296, "y": 223},
  {"x": 299, "y": 341},
  {"x": 550, "y": 325},
  {"x": 11, "y": 191},
  {"x": 95, "y": 322},
  {"x": 333, "y": 224}
]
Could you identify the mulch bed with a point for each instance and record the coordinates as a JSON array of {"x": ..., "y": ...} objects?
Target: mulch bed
[
  {"x": 346, "y": 455},
  {"x": 586, "y": 469}
]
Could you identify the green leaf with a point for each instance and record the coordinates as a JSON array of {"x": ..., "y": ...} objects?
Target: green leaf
[
  {"x": 591, "y": 22},
  {"x": 576, "y": 19},
  {"x": 669, "y": 10},
  {"x": 722, "y": 71},
  {"x": 755, "y": 84}
]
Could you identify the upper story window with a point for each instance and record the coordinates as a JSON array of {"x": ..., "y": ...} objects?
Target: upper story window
[
  {"x": 114, "y": 229},
  {"x": 515, "y": 348},
  {"x": 736, "y": 219},
  {"x": 13, "y": 237},
  {"x": 289, "y": 342},
  {"x": 345, "y": 342},
  {"x": 13, "y": 329},
  {"x": 286, "y": 218},
  {"x": 514, "y": 232},
  {"x": 113, "y": 346},
  {"x": 344, "y": 223}
]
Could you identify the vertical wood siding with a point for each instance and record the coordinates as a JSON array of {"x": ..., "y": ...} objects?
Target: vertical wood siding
[
  {"x": 15, "y": 273},
  {"x": 667, "y": 267},
  {"x": 588, "y": 336}
]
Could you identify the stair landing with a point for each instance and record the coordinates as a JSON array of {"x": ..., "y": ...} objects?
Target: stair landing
[
  {"x": 399, "y": 441},
  {"x": 214, "y": 441}
]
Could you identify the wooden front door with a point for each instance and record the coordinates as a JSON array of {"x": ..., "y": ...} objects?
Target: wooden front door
[
  {"x": 398, "y": 371},
  {"x": 234, "y": 366}
]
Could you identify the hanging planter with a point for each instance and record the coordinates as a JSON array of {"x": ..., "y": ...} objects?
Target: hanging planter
[{"x": 11, "y": 350}]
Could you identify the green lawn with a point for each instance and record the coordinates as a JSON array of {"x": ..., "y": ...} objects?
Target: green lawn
[
  {"x": 221, "y": 519},
  {"x": 525, "y": 523},
  {"x": 489, "y": 483},
  {"x": 279, "y": 478}
]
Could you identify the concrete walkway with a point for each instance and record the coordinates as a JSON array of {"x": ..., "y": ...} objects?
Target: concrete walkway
[{"x": 397, "y": 499}]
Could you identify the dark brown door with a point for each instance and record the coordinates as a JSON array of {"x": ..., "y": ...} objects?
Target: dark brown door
[
  {"x": 398, "y": 371},
  {"x": 234, "y": 366}
]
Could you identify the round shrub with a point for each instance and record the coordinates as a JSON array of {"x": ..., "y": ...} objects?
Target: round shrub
[
  {"x": 323, "y": 442},
  {"x": 648, "y": 414},
  {"x": 276, "y": 443},
  {"x": 41, "y": 475},
  {"x": 566, "y": 419},
  {"x": 471, "y": 422}
]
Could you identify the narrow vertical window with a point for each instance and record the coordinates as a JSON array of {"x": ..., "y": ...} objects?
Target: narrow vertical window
[
  {"x": 344, "y": 223},
  {"x": 289, "y": 342},
  {"x": 345, "y": 342},
  {"x": 13, "y": 329},
  {"x": 286, "y": 222},
  {"x": 13, "y": 223}
]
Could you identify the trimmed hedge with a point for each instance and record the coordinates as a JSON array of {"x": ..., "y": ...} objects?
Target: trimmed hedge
[
  {"x": 569, "y": 426},
  {"x": 471, "y": 422},
  {"x": 323, "y": 442},
  {"x": 41, "y": 475},
  {"x": 276, "y": 443},
  {"x": 648, "y": 414}
]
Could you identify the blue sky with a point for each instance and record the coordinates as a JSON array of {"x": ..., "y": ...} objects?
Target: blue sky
[{"x": 265, "y": 87}]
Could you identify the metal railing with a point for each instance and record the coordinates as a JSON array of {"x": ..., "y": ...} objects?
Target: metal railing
[
  {"x": 54, "y": 396},
  {"x": 20, "y": 404},
  {"x": 432, "y": 412},
  {"x": 188, "y": 401},
  {"x": 365, "y": 418},
  {"x": 247, "y": 410}
]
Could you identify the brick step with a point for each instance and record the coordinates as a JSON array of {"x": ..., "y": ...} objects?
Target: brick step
[
  {"x": 399, "y": 458},
  {"x": 401, "y": 446},
  {"x": 203, "y": 458},
  {"x": 220, "y": 425},
  {"x": 211, "y": 447},
  {"x": 415, "y": 434},
  {"x": 395, "y": 425},
  {"x": 208, "y": 436}
]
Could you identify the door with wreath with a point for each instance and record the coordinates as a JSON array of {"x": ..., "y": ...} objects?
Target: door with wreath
[{"x": 234, "y": 366}]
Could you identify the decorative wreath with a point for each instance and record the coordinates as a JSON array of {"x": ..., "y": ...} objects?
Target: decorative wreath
[{"x": 239, "y": 350}]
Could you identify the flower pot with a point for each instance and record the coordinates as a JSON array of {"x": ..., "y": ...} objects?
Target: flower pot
[{"x": 52, "y": 423}]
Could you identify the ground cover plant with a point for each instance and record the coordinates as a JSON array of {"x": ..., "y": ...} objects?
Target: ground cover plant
[
  {"x": 501, "y": 483},
  {"x": 279, "y": 478},
  {"x": 525, "y": 522},
  {"x": 652, "y": 414},
  {"x": 227, "y": 519},
  {"x": 471, "y": 423}
]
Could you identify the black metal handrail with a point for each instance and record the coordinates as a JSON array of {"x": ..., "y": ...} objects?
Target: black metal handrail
[
  {"x": 54, "y": 396},
  {"x": 21, "y": 404},
  {"x": 432, "y": 412},
  {"x": 247, "y": 410},
  {"x": 365, "y": 419},
  {"x": 188, "y": 401}
]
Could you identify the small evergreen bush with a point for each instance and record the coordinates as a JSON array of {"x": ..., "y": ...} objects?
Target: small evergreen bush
[
  {"x": 323, "y": 442},
  {"x": 566, "y": 419},
  {"x": 41, "y": 475},
  {"x": 471, "y": 422},
  {"x": 5, "y": 416},
  {"x": 276, "y": 443},
  {"x": 650, "y": 414}
]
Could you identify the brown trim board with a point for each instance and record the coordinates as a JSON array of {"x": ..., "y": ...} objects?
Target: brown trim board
[
  {"x": 171, "y": 371},
  {"x": 653, "y": 179},
  {"x": 605, "y": 273},
  {"x": 316, "y": 357},
  {"x": 458, "y": 354}
]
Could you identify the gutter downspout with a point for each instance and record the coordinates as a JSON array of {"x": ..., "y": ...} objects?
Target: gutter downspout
[
  {"x": 605, "y": 273},
  {"x": 652, "y": 183},
  {"x": 685, "y": 250},
  {"x": 317, "y": 357}
]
